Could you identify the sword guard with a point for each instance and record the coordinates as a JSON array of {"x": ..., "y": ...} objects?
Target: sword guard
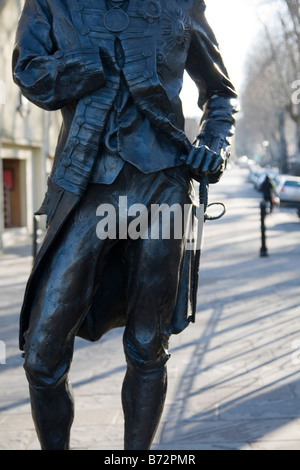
[
  {"x": 216, "y": 217},
  {"x": 203, "y": 199}
]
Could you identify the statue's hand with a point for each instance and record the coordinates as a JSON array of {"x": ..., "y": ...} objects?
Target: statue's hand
[{"x": 202, "y": 161}]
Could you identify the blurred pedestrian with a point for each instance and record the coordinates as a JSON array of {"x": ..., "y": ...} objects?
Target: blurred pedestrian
[{"x": 267, "y": 189}]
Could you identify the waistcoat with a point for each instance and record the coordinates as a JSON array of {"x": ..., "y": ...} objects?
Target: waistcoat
[{"x": 128, "y": 135}]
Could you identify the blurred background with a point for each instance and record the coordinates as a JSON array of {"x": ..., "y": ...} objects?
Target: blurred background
[{"x": 260, "y": 43}]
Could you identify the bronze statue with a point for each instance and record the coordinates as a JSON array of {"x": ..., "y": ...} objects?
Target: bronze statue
[{"x": 115, "y": 69}]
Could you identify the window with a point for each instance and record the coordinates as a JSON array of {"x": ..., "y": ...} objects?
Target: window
[{"x": 292, "y": 184}]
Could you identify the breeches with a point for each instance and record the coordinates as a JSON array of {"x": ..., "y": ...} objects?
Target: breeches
[{"x": 76, "y": 264}]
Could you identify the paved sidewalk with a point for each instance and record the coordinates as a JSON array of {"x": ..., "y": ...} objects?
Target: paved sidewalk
[{"x": 234, "y": 378}]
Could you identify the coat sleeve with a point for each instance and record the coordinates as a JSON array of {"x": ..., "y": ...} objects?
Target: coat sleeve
[
  {"x": 47, "y": 75},
  {"x": 217, "y": 96}
]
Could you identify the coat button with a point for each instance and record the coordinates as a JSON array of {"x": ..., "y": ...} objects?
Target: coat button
[
  {"x": 58, "y": 54},
  {"x": 74, "y": 141},
  {"x": 66, "y": 162},
  {"x": 65, "y": 81},
  {"x": 148, "y": 74},
  {"x": 79, "y": 120},
  {"x": 85, "y": 30},
  {"x": 60, "y": 66},
  {"x": 147, "y": 53}
]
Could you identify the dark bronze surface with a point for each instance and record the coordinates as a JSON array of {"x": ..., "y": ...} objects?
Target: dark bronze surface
[{"x": 115, "y": 69}]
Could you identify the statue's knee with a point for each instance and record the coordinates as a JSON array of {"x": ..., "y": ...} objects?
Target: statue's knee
[
  {"x": 34, "y": 371},
  {"x": 41, "y": 373},
  {"x": 150, "y": 354}
]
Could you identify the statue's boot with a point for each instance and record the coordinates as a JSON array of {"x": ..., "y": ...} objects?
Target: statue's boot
[
  {"x": 143, "y": 397},
  {"x": 53, "y": 413}
]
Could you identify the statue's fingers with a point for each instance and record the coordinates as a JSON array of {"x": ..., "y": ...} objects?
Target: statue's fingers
[
  {"x": 198, "y": 159},
  {"x": 195, "y": 157},
  {"x": 209, "y": 162},
  {"x": 216, "y": 163}
]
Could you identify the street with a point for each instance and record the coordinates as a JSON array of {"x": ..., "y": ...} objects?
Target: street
[{"x": 234, "y": 378}]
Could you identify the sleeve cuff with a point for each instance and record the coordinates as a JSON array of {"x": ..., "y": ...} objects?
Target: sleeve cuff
[{"x": 79, "y": 68}]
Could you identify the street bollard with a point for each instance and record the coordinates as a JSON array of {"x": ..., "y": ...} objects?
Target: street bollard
[{"x": 263, "y": 213}]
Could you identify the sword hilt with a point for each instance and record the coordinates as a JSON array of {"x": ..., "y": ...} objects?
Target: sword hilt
[{"x": 203, "y": 199}]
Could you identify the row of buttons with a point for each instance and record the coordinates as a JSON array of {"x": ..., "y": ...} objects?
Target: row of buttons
[
  {"x": 60, "y": 67},
  {"x": 74, "y": 141},
  {"x": 66, "y": 81}
]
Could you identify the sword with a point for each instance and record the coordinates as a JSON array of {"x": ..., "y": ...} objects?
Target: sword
[{"x": 203, "y": 201}]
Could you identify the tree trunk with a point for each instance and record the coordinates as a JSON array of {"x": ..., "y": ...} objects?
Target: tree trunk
[{"x": 284, "y": 161}]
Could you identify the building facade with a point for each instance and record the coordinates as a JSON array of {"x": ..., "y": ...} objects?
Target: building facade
[{"x": 27, "y": 137}]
